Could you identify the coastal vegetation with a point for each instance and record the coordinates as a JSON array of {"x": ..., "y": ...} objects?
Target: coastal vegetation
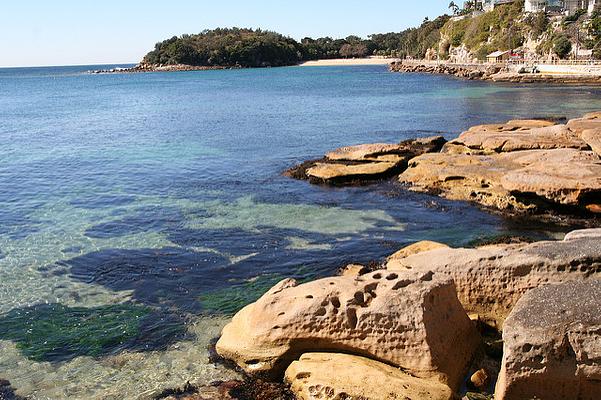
[{"x": 245, "y": 48}]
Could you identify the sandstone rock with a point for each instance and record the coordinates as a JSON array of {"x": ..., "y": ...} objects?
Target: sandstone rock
[
  {"x": 354, "y": 270},
  {"x": 530, "y": 123},
  {"x": 366, "y": 162},
  {"x": 409, "y": 320},
  {"x": 552, "y": 344},
  {"x": 593, "y": 115},
  {"x": 364, "y": 152},
  {"x": 550, "y": 137},
  {"x": 490, "y": 280},
  {"x": 584, "y": 233},
  {"x": 330, "y": 376},
  {"x": 340, "y": 173},
  {"x": 416, "y": 248},
  {"x": 592, "y": 137},
  {"x": 534, "y": 180},
  {"x": 580, "y": 125}
]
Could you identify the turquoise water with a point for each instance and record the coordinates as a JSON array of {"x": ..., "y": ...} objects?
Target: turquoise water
[{"x": 139, "y": 211}]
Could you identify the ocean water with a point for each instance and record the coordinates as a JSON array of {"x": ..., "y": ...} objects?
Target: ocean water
[{"x": 139, "y": 211}]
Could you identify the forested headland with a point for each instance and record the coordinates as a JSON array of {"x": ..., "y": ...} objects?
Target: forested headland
[{"x": 246, "y": 48}]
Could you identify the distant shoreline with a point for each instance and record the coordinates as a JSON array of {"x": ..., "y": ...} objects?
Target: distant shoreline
[{"x": 348, "y": 61}]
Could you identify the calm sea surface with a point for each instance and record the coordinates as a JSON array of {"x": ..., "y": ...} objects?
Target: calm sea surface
[{"x": 139, "y": 211}]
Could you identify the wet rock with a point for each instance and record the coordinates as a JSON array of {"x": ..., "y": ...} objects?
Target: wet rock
[
  {"x": 365, "y": 162},
  {"x": 490, "y": 280},
  {"x": 412, "y": 321},
  {"x": 343, "y": 376},
  {"x": 553, "y": 344}
]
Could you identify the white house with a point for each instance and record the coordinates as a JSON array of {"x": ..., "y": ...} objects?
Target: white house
[{"x": 565, "y": 6}]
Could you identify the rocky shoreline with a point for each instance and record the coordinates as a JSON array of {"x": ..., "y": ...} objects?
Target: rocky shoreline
[
  {"x": 158, "y": 68},
  {"x": 494, "y": 73},
  {"x": 534, "y": 168},
  {"x": 505, "y": 321}
]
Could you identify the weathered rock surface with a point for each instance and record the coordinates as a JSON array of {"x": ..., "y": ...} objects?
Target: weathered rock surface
[
  {"x": 490, "y": 280},
  {"x": 552, "y": 344},
  {"x": 339, "y": 173},
  {"x": 533, "y": 180},
  {"x": 406, "y": 319},
  {"x": 550, "y": 137},
  {"x": 592, "y": 137},
  {"x": 415, "y": 248},
  {"x": 330, "y": 376},
  {"x": 366, "y": 162},
  {"x": 584, "y": 233}
]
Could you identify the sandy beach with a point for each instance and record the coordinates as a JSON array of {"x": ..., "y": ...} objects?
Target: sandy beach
[{"x": 349, "y": 61}]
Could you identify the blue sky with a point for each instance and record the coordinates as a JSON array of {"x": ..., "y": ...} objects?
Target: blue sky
[{"x": 69, "y": 32}]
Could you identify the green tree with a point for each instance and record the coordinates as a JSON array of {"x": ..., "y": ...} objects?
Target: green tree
[{"x": 562, "y": 46}]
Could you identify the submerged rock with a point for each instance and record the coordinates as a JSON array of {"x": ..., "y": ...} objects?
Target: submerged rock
[
  {"x": 342, "y": 376},
  {"x": 552, "y": 344},
  {"x": 365, "y": 162},
  {"x": 409, "y": 320},
  {"x": 491, "y": 279}
]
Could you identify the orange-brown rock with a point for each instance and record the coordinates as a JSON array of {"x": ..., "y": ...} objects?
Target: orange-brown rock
[
  {"x": 491, "y": 279},
  {"x": 550, "y": 137},
  {"x": 415, "y": 248},
  {"x": 338, "y": 173},
  {"x": 365, "y": 162},
  {"x": 405, "y": 319},
  {"x": 331, "y": 376},
  {"x": 592, "y": 137},
  {"x": 523, "y": 180},
  {"x": 552, "y": 344},
  {"x": 580, "y": 125}
]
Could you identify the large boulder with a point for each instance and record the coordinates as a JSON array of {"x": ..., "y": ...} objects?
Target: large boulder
[
  {"x": 533, "y": 180},
  {"x": 330, "y": 376},
  {"x": 409, "y": 320},
  {"x": 491, "y": 279},
  {"x": 552, "y": 344}
]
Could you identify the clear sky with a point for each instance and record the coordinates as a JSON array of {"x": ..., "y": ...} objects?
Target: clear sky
[{"x": 69, "y": 32}]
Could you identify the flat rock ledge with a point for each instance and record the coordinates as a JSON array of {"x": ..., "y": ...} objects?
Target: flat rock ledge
[
  {"x": 412, "y": 321},
  {"x": 491, "y": 279},
  {"x": 519, "y": 167},
  {"x": 330, "y": 376},
  {"x": 494, "y": 73},
  {"x": 364, "y": 163},
  {"x": 552, "y": 344}
]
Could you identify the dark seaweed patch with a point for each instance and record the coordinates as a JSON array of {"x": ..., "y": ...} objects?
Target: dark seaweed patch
[
  {"x": 160, "y": 277},
  {"x": 55, "y": 333}
]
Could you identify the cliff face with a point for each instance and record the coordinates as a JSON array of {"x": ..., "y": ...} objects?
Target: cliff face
[{"x": 535, "y": 35}]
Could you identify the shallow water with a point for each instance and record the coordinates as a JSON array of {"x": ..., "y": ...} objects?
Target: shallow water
[{"x": 139, "y": 211}]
